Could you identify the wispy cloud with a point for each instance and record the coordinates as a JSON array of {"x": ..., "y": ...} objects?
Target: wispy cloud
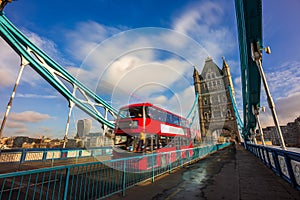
[
  {"x": 150, "y": 63},
  {"x": 10, "y": 61},
  {"x": 20, "y": 95},
  {"x": 137, "y": 62},
  {"x": 283, "y": 82},
  {"x": 29, "y": 116},
  {"x": 203, "y": 22},
  {"x": 13, "y": 124},
  {"x": 287, "y": 109},
  {"x": 8, "y": 65},
  {"x": 20, "y": 123}
]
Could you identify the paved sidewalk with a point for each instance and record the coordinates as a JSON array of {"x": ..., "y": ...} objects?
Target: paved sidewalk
[{"x": 232, "y": 173}]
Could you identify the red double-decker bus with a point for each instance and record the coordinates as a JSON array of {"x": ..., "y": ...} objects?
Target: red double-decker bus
[{"x": 146, "y": 128}]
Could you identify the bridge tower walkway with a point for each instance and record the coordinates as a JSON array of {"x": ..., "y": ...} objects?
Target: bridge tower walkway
[{"x": 232, "y": 173}]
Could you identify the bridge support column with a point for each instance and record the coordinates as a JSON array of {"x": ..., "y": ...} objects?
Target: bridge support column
[
  {"x": 257, "y": 57},
  {"x": 24, "y": 63},
  {"x": 71, "y": 105},
  {"x": 255, "y": 111}
]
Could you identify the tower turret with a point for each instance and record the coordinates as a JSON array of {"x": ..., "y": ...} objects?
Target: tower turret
[
  {"x": 197, "y": 85},
  {"x": 227, "y": 76}
]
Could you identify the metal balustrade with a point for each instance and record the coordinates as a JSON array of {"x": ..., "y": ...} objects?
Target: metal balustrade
[
  {"x": 285, "y": 163},
  {"x": 95, "y": 180},
  {"x": 23, "y": 159}
]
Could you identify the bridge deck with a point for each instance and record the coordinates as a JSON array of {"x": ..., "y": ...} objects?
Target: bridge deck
[{"x": 232, "y": 173}]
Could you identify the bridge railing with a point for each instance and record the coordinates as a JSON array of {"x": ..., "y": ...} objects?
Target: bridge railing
[
  {"x": 284, "y": 163},
  {"x": 26, "y": 156},
  {"x": 95, "y": 180}
]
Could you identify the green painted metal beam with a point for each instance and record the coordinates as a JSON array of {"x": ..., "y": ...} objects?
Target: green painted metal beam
[
  {"x": 191, "y": 115},
  {"x": 55, "y": 74},
  {"x": 249, "y": 24}
]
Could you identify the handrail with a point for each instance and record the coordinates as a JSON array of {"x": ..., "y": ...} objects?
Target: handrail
[
  {"x": 285, "y": 163},
  {"x": 96, "y": 179}
]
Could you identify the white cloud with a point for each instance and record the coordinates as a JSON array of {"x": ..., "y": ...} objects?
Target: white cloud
[
  {"x": 29, "y": 116},
  {"x": 10, "y": 61},
  {"x": 36, "y": 96},
  {"x": 289, "y": 107},
  {"x": 284, "y": 80},
  {"x": 203, "y": 22},
  {"x": 147, "y": 64},
  {"x": 21, "y": 131},
  {"x": 182, "y": 102},
  {"x": 12, "y": 124},
  {"x": 8, "y": 65},
  {"x": 199, "y": 14},
  {"x": 18, "y": 123},
  {"x": 285, "y": 91},
  {"x": 150, "y": 64}
]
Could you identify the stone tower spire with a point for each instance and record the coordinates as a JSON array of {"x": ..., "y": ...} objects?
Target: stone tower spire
[
  {"x": 196, "y": 81},
  {"x": 197, "y": 86},
  {"x": 227, "y": 76}
]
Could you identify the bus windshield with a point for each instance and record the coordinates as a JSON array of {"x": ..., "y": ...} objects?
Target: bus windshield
[{"x": 131, "y": 112}]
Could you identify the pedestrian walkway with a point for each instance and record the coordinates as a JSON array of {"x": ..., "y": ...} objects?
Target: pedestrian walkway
[{"x": 232, "y": 173}]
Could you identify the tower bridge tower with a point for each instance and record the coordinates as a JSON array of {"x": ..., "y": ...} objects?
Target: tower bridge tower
[{"x": 216, "y": 113}]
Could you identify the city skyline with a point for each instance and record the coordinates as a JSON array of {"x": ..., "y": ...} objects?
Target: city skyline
[{"x": 76, "y": 39}]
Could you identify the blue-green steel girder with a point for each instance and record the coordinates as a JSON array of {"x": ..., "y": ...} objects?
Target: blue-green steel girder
[
  {"x": 249, "y": 24},
  {"x": 53, "y": 73},
  {"x": 193, "y": 110},
  {"x": 236, "y": 112}
]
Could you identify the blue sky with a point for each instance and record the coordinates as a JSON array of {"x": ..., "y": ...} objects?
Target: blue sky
[{"x": 129, "y": 51}]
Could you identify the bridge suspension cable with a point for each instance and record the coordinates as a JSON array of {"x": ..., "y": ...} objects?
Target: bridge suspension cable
[
  {"x": 237, "y": 114},
  {"x": 77, "y": 95},
  {"x": 192, "y": 112}
]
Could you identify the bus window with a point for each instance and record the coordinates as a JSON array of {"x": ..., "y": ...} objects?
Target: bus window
[
  {"x": 162, "y": 116},
  {"x": 183, "y": 123},
  {"x": 169, "y": 119},
  {"x": 134, "y": 112},
  {"x": 120, "y": 139},
  {"x": 162, "y": 141},
  {"x": 176, "y": 120}
]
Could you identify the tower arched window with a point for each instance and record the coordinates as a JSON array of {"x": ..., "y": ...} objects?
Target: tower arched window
[
  {"x": 213, "y": 75},
  {"x": 228, "y": 113},
  {"x": 224, "y": 98},
  {"x": 205, "y": 101},
  {"x": 205, "y": 115}
]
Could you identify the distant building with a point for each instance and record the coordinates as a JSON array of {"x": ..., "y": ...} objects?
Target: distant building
[
  {"x": 26, "y": 145},
  {"x": 3, "y": 142},
  {"x": 83, "y": 127},
  {"x": 74, "y": 143},
  {"x": 97, "y": 140},
  {"x": 290, "y": 133},
  {"x": 19, "y": 140}
]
